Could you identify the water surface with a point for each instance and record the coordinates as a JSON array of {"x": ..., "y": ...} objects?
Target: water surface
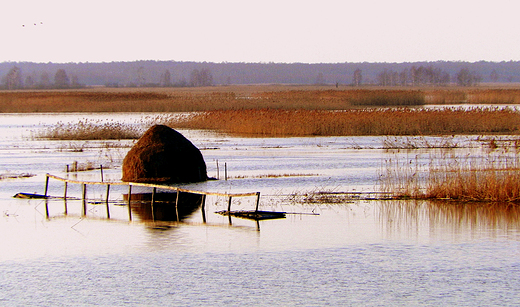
[{"x": 357, "y": 252}]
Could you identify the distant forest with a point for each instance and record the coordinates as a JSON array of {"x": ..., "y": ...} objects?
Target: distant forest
[{"x": 20, "y": 75}]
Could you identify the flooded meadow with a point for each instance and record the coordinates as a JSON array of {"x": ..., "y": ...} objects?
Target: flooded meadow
[{"x": 342, "y": 241}]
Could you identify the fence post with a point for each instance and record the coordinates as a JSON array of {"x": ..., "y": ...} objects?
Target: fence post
[
  {"x": 106, "y": 201},
  {"x": 46, "y": 184},
  {"x": 203, "y": 208},
  {"x": 177, "y": 206},
  {"x": 65, "y": 190},
  {"x": 65, "y": 197},
  {"x": 153, "y": 202},
  {"x": 229, "y": 205},
  {"x": 84, "y": 198},
  {"x": 229, "y": 211},
  {"x": 257, "y": 200},
  {"x": 129, "y": 202},
  {"x": 47, "y": 208}
]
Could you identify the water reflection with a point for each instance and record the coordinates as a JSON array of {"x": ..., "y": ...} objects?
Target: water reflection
[
  {"x": 168, "y": 207},
  {"x": 441, "y": 218}
]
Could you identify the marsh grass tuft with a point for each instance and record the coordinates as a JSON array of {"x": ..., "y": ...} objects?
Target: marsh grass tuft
[
  {"x": 89, "y": 130},
  {"x": 84, "y": 166},
  {"x": 327, "y": 195},
  {"x": 15, "y": 176}
]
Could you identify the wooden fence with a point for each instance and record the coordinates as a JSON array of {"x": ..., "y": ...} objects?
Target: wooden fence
[{"x": 154, "y": 187}]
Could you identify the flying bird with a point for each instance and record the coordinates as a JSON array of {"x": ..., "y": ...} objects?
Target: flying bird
[{"x": 23, "y": 26}]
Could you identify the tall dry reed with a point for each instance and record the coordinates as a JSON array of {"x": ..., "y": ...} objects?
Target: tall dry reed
[{"x": 275, "y": 122}]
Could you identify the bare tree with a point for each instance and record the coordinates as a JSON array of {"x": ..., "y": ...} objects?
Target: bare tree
[
  {"x": 465, "y": 77},
  {"x": 357, "y": 79},
  {"x": 45, "y": 80},
  {"x": 141, "y": 80},
  {"x": 29, "y": 82},
  {"x": 320, "y": 79},
  {"x": 206, "y": 77},
  {"x": 195, "y": 77},
  {"x": 61, "y": 80},
  {"x": 388, "y": 78},
  {"x": 166, "y": 79},
  {"x": 493, "y": 76},
  {"x": 13, "y": 79},
  {"x": 403, "y": 77},
  {"x": 74, "y": 81},
  {"x": 201, "y": 78}
]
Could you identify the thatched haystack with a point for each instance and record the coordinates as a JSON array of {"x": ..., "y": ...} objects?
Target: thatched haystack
[{"x": 164, "y": 155}]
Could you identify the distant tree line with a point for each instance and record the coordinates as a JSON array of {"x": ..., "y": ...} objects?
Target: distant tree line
[
  {"x": 14, "y": 80},
  {"x": 427, "y": 75},
  {"x": 201, "y": 77},
  {"x": 16, "y": 75}
]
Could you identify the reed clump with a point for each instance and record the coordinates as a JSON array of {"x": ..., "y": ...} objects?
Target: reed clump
[
  {"x": 495, "y": 180},
  {"x": 89, "y": 130},
  {"x": 405, "y": 121},
  {"x": 15, "y": 176},
  {"x": 490, "y": 178}
]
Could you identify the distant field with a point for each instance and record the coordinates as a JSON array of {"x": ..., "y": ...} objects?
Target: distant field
[{"x": 247, "y": 97}]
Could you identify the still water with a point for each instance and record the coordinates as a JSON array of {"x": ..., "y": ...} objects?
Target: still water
[{"x": 357, "y": 252}]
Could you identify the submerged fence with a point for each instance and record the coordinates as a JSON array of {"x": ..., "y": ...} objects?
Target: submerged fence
[{"x": 155, "y": 188}]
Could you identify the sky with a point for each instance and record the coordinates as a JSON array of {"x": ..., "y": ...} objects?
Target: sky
[{"x": 281, "y": 31}]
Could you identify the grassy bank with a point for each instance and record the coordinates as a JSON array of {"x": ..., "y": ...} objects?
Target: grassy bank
[
  {"x": 273, "y": 122},
  {"x": 244, "y": 97}
]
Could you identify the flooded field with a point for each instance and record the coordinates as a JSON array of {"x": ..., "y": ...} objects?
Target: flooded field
[{"x": 351, "y": 252}]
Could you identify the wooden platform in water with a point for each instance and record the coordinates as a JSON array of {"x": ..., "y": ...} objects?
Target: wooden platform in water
[
  {"x": 254, "y": 215},
  {"x": 30, "y": 195}
]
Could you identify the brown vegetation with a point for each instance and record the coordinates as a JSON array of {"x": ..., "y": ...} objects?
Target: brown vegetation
[
  {"x": 89, "y": 130},
  {"x": 272, "y": 122},
  {"x": 15, "y": 176},
  {"x": 492, "y": 178},
  {"x": 243, "y": 97}
]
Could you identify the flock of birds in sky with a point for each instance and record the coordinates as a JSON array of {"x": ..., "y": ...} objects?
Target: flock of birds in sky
[{"x": 23, "y": 26}]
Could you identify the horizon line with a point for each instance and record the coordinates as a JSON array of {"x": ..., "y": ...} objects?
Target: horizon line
[{"x": 263, "y": 62}]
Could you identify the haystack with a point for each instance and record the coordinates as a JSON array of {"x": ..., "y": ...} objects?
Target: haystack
[{"x": 164, "y": 155}]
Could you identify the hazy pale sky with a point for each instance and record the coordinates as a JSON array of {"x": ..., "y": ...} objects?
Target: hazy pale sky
[{"x": 324, "y": 31}]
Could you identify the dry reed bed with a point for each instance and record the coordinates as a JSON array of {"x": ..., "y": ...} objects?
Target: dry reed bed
[
  {"x": 89, "y": 130},
  {"x": 242, "y": 97},
  {"x": 341, "y": 99},
  {"x": 273, "y": 122},
  {"x": 494, "y": 177}
]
